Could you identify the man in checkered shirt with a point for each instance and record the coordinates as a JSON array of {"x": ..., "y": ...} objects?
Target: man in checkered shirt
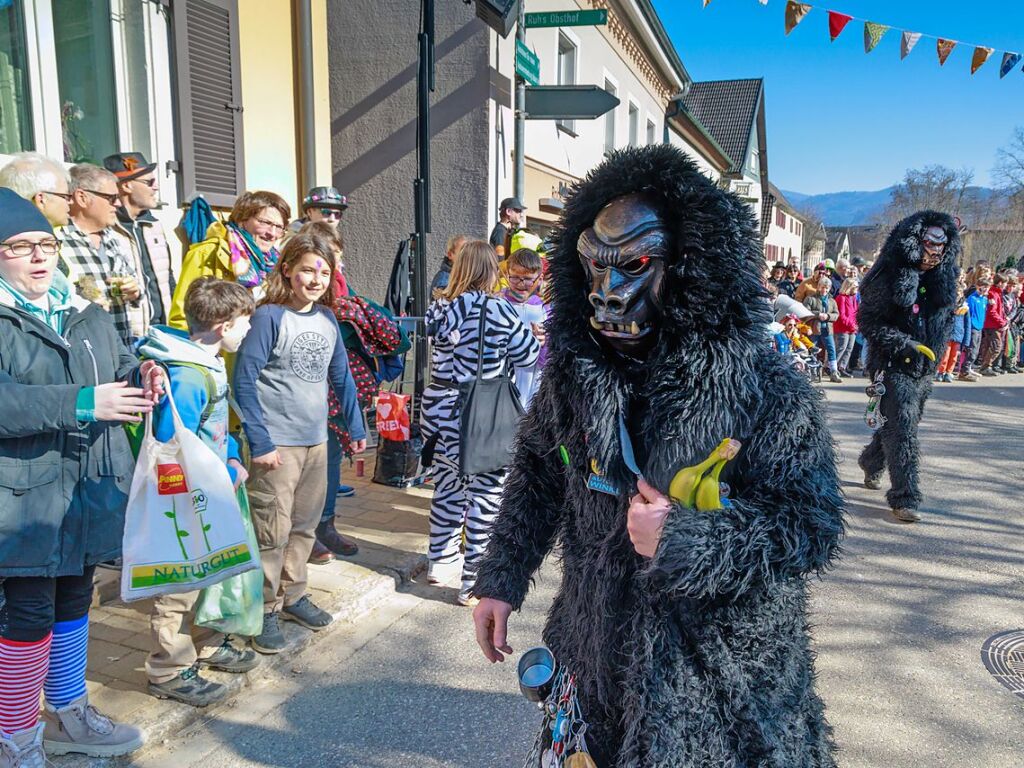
[{"x": 103, "y": 267}]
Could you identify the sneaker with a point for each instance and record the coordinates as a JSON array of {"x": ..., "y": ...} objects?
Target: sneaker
[
  {"x": 189, "y": 687},
  {"x": 328, "y": 537},
  {"x": 1013, "y": 369},
  {"x": 80, "y": 728},
  {"x": 319, "y": 555},
  {"x": 271, "y": 639},
  {"x": 906, "y": 515},
  {"x": 466, "y": 599},
  {"x": 987, "y": 372},
  {"x": 947, "y": 378},
  {"x": 23, "y": 749},
  {"x": 307, "y": 614},
  {"x": 874, "y": 482},
  {"x": 228, "y": 658},
  {"x": 969, "y": 376},
  {"x": 442, "y": 574},
  {"x": 346, "y": 491},
  {"x": 834, "y": 377}
]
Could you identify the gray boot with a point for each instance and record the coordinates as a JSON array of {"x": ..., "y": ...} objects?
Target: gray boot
[
  {"x": 24, "y": 749},
  {"x": 80, "y": 728}
]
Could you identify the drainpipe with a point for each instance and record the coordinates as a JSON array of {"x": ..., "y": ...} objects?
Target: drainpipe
[
  {"x": 674, "y": 109},
  {"x": 307, "y": 116}
]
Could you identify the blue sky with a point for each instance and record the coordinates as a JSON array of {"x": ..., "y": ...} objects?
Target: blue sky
[{"x": 840, "y": 119}]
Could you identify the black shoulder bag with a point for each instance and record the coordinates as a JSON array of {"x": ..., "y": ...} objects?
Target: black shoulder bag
[{"x": 491, "y": 411}]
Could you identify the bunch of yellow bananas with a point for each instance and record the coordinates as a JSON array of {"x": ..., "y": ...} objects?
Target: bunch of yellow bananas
[{"x": 698, "y": 487}]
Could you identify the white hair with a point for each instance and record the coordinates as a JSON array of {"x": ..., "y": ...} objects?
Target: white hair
[
  {"x": 842, "y": 262},
  {"x": 30, "y": 173},
  {"x": 89, "y": 176}
]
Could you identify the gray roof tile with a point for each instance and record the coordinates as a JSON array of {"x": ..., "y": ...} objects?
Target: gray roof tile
[{"x": 727, "y": 109}]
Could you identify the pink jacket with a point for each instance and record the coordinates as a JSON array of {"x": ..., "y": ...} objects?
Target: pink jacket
[{"x": 847, "y": 322}]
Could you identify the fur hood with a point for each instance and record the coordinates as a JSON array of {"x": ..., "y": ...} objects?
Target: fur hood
[
  {"x": 716, "y": 310},
  {"x": 902, "y": 247}
]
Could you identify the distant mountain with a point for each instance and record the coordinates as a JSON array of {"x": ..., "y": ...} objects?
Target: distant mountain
[
  {"x": 843, "y": 209},
  {"x": 851, "y": 209}
]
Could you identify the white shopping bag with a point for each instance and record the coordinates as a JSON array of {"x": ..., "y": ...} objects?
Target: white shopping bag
[{"x": 183, "y": 529}]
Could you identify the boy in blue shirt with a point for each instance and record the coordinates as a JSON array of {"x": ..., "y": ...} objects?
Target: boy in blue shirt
[
  {"x": 218, "y": 313},
  {"x": 977, "y": 304}
]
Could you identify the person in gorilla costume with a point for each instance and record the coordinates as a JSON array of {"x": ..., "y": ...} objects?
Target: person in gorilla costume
[
  {"x": 686, "y": 630},
  {"x": 906, "y": 315}
]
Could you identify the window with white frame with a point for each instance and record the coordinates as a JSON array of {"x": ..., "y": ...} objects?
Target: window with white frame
[
  {"x": 634, "y": 124},
  {"x": 79, "y": 79},
  {"x": 566, "y": 70},
  {"x": 609, "y": 118},
  {"x": 650, "y": 132}
]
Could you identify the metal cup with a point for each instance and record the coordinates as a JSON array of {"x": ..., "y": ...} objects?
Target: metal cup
[{"x": 536, "y": 672}]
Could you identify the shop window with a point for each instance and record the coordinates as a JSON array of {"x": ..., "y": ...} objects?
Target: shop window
[
  {"x": 83, "y": 42},
  {"x": 15, "y": 103}
]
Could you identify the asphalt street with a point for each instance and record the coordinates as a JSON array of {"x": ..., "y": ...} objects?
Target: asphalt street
[{"x": 898, "y": 624}]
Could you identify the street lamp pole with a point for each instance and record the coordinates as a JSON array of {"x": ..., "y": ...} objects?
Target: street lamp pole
[{"x": 519, "y": 165}]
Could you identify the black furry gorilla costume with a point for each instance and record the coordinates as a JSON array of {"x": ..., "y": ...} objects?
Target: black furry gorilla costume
[
  {"x": 699, "y": 657},
  {"x": 902, "y": 305}
]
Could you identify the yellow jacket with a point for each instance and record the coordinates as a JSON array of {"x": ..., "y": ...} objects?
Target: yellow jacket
[{"x": 212, "y": 256}]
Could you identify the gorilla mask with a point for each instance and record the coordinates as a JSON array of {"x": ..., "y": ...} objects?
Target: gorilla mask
[
  {"x": 624, "y": 255},
  {"x": 933, "y": 247}
]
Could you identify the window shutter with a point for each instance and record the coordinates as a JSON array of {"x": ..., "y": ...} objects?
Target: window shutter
[{"x": 209, "y": 100}]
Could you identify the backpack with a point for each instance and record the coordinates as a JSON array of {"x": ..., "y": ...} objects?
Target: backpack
[{"x": 137, "y": 431}]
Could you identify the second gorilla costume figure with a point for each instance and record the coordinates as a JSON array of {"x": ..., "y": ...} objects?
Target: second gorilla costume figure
[{"x": 699, "y": 656}]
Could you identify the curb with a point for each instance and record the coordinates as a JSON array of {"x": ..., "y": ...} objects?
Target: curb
[{"x": 171, "y": 718}]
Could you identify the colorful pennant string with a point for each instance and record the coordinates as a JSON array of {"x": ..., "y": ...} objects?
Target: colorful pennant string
[
  {"x": 837, "y": 23},
  {"x": 874, "y": 32}
]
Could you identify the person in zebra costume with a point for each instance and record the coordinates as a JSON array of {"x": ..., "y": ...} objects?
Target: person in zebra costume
[
  {"x": 685, "y": 631},
  {"x": 466, "y": 502}
]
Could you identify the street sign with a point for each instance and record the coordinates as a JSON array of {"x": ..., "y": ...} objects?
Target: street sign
[
  {"x": 567, "y": 18},
  {"x": 567, "y": 102},
  {"x": 527, "y": 64}
]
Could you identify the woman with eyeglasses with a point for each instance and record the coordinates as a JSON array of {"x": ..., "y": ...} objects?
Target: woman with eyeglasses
[
  {"x": 67, "y": 386},
  {"x": 244, "y": 250}
]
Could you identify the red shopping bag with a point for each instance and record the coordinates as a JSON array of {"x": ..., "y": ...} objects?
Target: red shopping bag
[{"x": 393, "y": 416}]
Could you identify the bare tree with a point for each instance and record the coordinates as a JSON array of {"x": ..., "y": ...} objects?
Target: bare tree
[
  {"x": 1008, "y": 172},
  {"x": 936, "y": 188},
  {"x": 814, "y": 229}
]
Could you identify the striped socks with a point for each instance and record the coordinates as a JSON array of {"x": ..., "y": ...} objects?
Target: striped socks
[
  {"x": 23, "y": 668},
  {"x": 65, "y": 681}
]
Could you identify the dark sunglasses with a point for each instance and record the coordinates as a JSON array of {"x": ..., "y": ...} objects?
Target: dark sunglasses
[
  {"x": 113, "y": 198},
  {"x": 63, "y": 195},
  {"x": 330, "y": 213}
]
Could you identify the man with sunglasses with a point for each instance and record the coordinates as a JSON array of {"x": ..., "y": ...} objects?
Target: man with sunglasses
[
  {"x": 102, "y": 261},
  {"x": 143, "y": 236},
  {"x": 321, "y": 204}
]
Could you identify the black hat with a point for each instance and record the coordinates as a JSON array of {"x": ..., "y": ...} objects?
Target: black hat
[
  {"x": 18, "y": 215},
  {"x": 778, "y": 265},
  {"x": 325, "y": 197},
  {"x": 857, "y": 261},
  {"x": 512, "y": 202},
  {"x": 128, "y": 165}
]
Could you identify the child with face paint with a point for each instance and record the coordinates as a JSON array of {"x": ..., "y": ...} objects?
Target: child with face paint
[
  {"x": 218, "y": 313},
  {"x": 292, "y": 354}
]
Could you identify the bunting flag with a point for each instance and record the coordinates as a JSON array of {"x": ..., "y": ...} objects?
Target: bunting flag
[
  {"x": 1010, "y": 62},
  {"x": 981, "y": 54},
  {"x": 795, "y": 13},
  {"x": 873, "y": 33},
  {"x": 908, "y": 42},
  {"x": 944, "y": 47},
  {"x": 837, "y": 23}
]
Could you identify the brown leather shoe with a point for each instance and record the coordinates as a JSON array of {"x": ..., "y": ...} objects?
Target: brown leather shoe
[
  {"x": 906, "y": 515},
  {"x": 320, "y": 555},
  {"x": 329, "y": 538}
]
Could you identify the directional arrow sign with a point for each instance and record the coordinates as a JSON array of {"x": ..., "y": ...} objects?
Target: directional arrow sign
[{"x": 567, "y": 102}]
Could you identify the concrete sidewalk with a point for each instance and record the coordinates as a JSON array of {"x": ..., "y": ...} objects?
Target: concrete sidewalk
[{"x": 390, "y": 525}]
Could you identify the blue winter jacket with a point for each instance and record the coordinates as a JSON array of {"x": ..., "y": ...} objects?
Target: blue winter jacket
[
  {"x": 961, "y": 333},
  {"x": 977, "y": 304}
]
